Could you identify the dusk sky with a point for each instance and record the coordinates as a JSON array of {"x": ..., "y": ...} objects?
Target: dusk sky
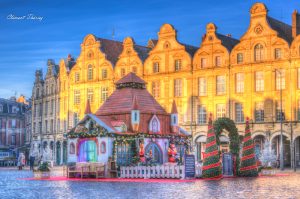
[{"x": 26, "y": 44}]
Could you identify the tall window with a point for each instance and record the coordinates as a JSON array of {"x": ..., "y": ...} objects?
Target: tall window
[
  {"x": 258, "y": 52},
  {"x": 104, "y": 73},
  {"x": 278, "y": 115},
  {"x": 239, "y": 112},
  {"x": 13, "y": 139},
  {"x": 77, "y": 77},
  {"x": 13, "y": 123},
  {"x": 123, "y": 72},
  {"x": 221, "y": 85},
  {"x": 90, "y": 95},
  {"x": 218, "y": 60},
  {"x": 202, "y": 86},
  {"x": 46, "y": 107},
  {"x": 155, "y": 89},
  {"x": 156, "y": 67},
  {"x": 259, "y": 81},
  {"x": 202, "y": 114},
  {"x": 177, "y": 65},
  {"x": 203, "y": 62},
  {"x": 259, "y": 112},
  {"x": 90, "y": 73},
  {"x": 280, "y": 79},
  {"x": 177, "y": 88},
  {"x": 240, "y": 82},
  {"x": 277, "y": 53},
  {"x": 124, "y": 154},
  {"x": 221, "y": 110},
  {"x": 104, "y": 94},
  {"x": 240, "y": 58},
  {"x": 76, "y": 97}
]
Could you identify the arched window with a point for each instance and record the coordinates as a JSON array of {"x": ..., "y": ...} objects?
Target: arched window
[
  {"x": 72, "y": 148},
  {"x": 258, "y": 52},
  {"x": 90, "y": 73},
  {"x": 154, "y": 125},
  {"x": 103, "y": 147}
]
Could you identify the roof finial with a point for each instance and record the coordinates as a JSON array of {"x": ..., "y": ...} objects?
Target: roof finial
[
  {"x": 88, "y": 108},
  {"x": 174, "y": 108},
  {"x": 135, "y": 104}
]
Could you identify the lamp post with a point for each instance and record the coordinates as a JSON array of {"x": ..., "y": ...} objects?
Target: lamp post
[{"x": 281, "y": 134}]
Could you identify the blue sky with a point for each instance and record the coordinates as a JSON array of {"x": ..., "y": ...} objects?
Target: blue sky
[{"x": 25, "y": 45}]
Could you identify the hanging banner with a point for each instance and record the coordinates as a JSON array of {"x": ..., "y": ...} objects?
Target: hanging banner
[{"x": 189, "y": 164}]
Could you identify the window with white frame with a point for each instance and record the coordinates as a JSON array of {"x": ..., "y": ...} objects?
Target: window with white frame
[
  {"x": 280, "y": 79},
  {"x": 218, "y": 60},
  {"x": 156, "y": 67},
  {"x": 240, "y": 78},
  {"x": 239, "y": 112},
  {"x": 259, "y": 112},
  {"x": 277, "y": 53},
  {"x": 202, "y": 86},
  {"x": 221, "y": 85},
  {"x": 203, "y": 62},
  {"x": 104, "y": 94},
  {"x": 177, "y": 87},
  {"x": 155, "y": 89},
  {"x": 221, "y": 110},
  {"x": 104, "y": 73},
  {"x": 258, "y": 52},
  {"x": 90, "y": 72},
  {"x": 76, "y": 97},
  {"x": 278, "y": 110},
  {"x": 202, "y": 114},
  {"x": 177, "y": 65},
  {"x": 240, "y": 58},
  {"x": 259, "y": 81},
  {"x": 90, "y": 95},
  {"x": 77, "y": 77}
]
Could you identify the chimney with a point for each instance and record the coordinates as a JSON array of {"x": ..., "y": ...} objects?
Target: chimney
[{"x": 295, "y": 24}]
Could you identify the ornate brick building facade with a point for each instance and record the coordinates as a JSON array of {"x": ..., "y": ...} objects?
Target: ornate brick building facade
[{"x": 224, "y": 76}]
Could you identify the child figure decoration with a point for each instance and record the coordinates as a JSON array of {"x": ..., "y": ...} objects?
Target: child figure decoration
[
  {"x": 211, "y": 165},
  {"x": 172, "y": 152},
  {"x": 248, "y": 164},
  {"x": 142, "y": 152}
]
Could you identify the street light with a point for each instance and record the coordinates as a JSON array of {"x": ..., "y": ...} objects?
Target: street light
[{"x": 281, "y": 134}]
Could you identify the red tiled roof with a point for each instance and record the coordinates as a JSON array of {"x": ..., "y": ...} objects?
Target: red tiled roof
[{"x": 131, "y": 78}]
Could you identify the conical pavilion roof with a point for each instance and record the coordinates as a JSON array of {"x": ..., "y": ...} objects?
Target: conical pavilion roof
[{"x": 122, "y": 99}]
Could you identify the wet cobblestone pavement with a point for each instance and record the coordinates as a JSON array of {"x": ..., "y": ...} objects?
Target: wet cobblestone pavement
[{"x": 261, "y": 187}]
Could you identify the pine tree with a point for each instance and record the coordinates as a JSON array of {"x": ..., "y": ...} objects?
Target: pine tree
[
  {"x": 211, "y": 165},
  {"x": 248, "y": 165},
  {"x": 267, "y": 156}
]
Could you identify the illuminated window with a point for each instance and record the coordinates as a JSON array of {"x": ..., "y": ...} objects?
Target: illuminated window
[
  {"x": 221, "y": 110},
  {"x": 90, "y": 73},
  {"x": 277, "y": 53},
  {"x": 258, "y": 52},
  {"x": 104, "y": 73},
  {"x": 177, "y": 88},
  {"x": 90, "y": 95},
  {"x": 203, "y": 62},
  {"x": 177, "y": 64},
  {"x": 155, "y": 67},
  {"x": 76, "y": 97},
  {"x": 155, "y": 89},
  {"x": 202, "y": 114},
  {"x": 221, "y": 85},
  {"x": 239, "y": 82},
  {"x": 239, "y": 112},
  {"x": 218, "y": 61},
  {"x": 240, "y": 58},
  {"x": 202, "y": 86},
  {"x": 259, "y": 81},
  {"x": 104, "y": 94},
  {"x": 280, "y": 79}
]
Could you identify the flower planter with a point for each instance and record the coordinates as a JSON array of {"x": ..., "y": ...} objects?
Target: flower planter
[
  {"x": 41, "y": 174},
  {"x": 268, "y": 172}
]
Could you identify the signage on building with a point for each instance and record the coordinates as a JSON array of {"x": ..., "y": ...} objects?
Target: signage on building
[{"x": 189, "y": 163}]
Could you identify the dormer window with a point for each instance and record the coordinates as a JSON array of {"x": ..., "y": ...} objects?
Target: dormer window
[
  {"x": 240, "y": 58},
  {"x": 277, "y": 53},
  {"x": 77, "y": 77},
  {"x": 258, "y": 52},
  {"x": 155, "y": 67},
  {"x": 218, "y": 61},
  {"x": 177, "y": 64},
  {"x": 104, "y": 73},
  {"x": 203, "y": 62}
]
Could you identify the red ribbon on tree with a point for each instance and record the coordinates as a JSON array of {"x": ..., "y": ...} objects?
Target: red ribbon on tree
[
  {"x": 211, "y": 166},
  {"x": 248, "y": 157}
]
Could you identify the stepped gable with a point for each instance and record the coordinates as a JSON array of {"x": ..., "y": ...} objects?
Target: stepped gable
[{"x": 122, "y": 99}]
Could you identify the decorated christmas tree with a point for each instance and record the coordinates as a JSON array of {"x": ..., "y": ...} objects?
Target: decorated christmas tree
[
  {"x": 248, "y": 165},
  {"x": 267, "y": 157},
  {"x": 211, "y": 166}
]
